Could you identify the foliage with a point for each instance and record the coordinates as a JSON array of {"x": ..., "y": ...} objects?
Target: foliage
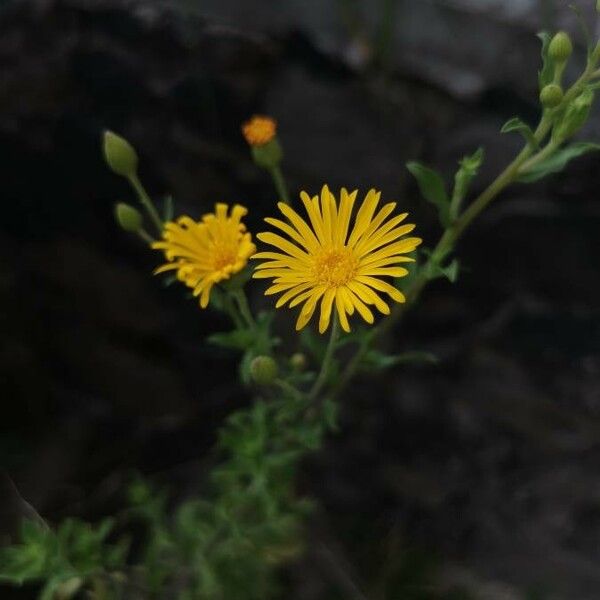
[{"x": 65, "y": 560}]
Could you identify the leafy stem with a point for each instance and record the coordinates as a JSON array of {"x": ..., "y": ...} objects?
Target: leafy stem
[{"x": 523, "y": 161}]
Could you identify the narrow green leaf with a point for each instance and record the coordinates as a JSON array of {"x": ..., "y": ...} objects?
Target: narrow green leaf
[
  {"x": 432, "y": 188},
  {"x": 558, "y": 161},
  {"x": 517, "y": 125},
  {"x": 574, "y": 117},
  {"x": 435, "y": 270},
  {"x": 375, "y": 359},
  {"x": 468, "y": 169},
  {"x": 240, "y": 339}
]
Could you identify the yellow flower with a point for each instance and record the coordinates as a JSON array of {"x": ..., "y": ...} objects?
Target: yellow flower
[
  {"x": 208, "y": 251},
  {"x": 321, "y": 261},
  {"x": 259, "y": 130}
]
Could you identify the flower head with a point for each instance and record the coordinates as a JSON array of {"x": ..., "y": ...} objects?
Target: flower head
[
  {"x": 326, "y": 260},
  {"x": 259, "y": 130},
  {"x": 206, "y": 252}
]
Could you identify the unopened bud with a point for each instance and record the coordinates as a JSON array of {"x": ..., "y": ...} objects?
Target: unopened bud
[
  {"x": 129, "y": 218},
  {"x": 263, "y": 370},
  {"x": 551, "y": 95},
  {"x": 298, "y": 361},
  {"x": 120, "y": 155},
  {"x": 268, "y": 155},
  {"x": 560, "y": 47}
]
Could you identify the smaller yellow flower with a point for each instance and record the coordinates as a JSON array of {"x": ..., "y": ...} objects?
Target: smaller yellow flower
[
  {"x": 206, "y": 252},
  {"x": 259, "y": 130}
]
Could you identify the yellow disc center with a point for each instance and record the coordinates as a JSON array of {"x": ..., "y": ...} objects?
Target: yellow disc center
[
  {"x": 335, "y": 267},
  {"x": 223, "y": 256}
]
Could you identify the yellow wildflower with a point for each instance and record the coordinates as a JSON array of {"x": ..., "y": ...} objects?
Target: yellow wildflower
[
  {"x": 321, "y": 261},
  {"x": 259, "y": 130},
  {"x": 208, "y": 251}
]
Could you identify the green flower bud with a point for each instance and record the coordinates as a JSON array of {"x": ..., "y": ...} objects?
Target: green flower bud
[
  {"x": 267, "y": 155},
  {"x": 120, "y": 155},
  {"x": 263, "y": 370},
  {"x": 598, "y": 6},
  {"x": 298, "y": 361},
  {"x": 560, "y": 47},
  {"x": 128, "y": 218},
  {"x": 551, "y": 95}
]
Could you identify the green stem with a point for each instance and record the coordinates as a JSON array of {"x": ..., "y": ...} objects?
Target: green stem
[
  {"x": 327, "y": 360},
  {"x": 242, "y": 302},
  {"x": 143, "y": 234},
  {"x": 288, "y": 388},
  {"x": 442, "y": 249},
  {"x": 147, "y": 202},
  {"x": 232, "y": 311},
  {"x": 280, "y": 185}
]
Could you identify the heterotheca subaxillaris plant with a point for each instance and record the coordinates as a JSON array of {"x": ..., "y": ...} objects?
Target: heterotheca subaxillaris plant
[{"x": 347, "y": 265}]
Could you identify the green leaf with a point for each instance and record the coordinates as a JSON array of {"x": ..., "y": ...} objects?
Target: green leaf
[
  {"x": 517, "y": 125},
  {"x": 574, "y": 117},
  {"x": 239, "y": 339},
  {"x": 558, "y": 161},
  {"x": 546, "y": 74},
  {"x": 375, "y": 359},
  {"x": 432, "y": 188},
  {"x": 468, "y": 169},
  {"x": 435, "y": 270}
]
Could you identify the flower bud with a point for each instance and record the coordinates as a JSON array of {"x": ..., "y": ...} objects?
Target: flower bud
[
  {"x": 120, "y": 155},
  {"x": 298, "y": 361},
  {"x": 560, "y": 47},
  {"x": 128, "y": 218},
  {"x": 263, "y": 370},
  {"x": 268, "y": 155},
  {"x": 551, "y": 95},
  {"x": 598, "y": 6}
]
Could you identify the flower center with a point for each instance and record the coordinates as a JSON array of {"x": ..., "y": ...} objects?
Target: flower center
[
  {"x": 334, "y": 267},
  {"x": 223, "y": 256}
]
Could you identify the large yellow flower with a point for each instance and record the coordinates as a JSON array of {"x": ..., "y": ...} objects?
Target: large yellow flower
[
  {"x": 208, "y": 251},
  {"x": 320, "y": 261}
]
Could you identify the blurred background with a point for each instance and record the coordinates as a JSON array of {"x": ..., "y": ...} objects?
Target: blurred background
[{"x": 478, "y": 477}]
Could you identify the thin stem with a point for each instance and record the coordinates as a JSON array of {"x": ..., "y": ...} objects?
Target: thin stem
[
  {"x": 280, "y": 185},
  {"x": 288, "y": 388},
  {"x": 326, "y": 364},
  {"x": 232, "y": 311},
  {"x": 142, "y": 233},
  {"x": 147, "y": 202},
  {"x": 242, "y": 302}
]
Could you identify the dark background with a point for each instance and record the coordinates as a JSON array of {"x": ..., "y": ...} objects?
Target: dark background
[{"x": 480, "y": 473}]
